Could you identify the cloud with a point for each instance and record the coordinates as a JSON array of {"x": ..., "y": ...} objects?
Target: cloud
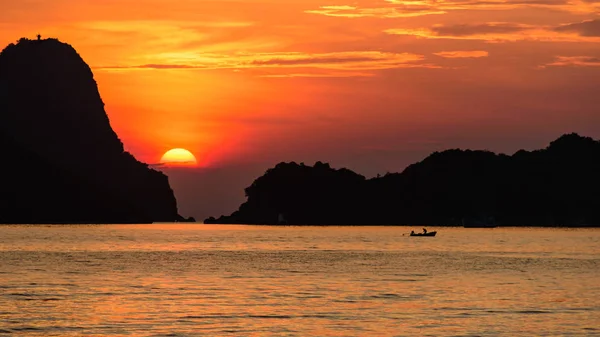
[
  {"x": 149, "y": 66},
  {"x": 575, "y": 61},
  {"x": 320, "y": 75},
  {"x": 478, "y": 29},
  {"x": 340, "y": 61},
  {"x": 462, "y": 54},
  {"x": 138, "y": 38},
  {"x": 501, "y": 4},
  {"x": 585, "y": 28},
  {"x": 166, "y": 66},
  {"x": 404, "y": 11},
  {"x": 506, "y": 32},
  {"x": 471, "y": 3},
  {"x": 364, "y": 60},
  {"x": 151, "y": 26},
  {"x": 412, "y": 8},
  {"x": 490, "y": 32}
]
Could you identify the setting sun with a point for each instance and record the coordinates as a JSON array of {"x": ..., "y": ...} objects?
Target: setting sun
[{"x": 178, "y": 157}]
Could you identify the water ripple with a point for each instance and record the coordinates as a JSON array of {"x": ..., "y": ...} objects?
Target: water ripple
[{"x": 159, "y": 281}]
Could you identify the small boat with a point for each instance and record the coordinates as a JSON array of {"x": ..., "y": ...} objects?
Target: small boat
[{"x": 424, "y": 234}]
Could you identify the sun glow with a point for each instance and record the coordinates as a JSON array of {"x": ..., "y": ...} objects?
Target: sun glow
[{"x": 179, "y": 157}]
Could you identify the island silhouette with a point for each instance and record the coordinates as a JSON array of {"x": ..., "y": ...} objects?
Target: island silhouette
[
  {"x": 63, "y": 163},
  {"x": 555, "y": 186}
]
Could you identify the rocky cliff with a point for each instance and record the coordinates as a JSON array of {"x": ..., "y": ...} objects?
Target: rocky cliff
[
  {"x": 555, "y": 186},
  {"x": 62, "y": 162}
]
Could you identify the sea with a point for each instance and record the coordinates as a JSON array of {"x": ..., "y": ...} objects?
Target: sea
[{"x": 217, "y": 280}]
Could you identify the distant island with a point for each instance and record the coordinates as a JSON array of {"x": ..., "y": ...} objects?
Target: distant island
[
  {"x": 555, "y": 186},
  {"x": 63, "y": 163}
]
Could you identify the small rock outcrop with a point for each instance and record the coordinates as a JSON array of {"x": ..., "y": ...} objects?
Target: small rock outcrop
[
  {"x": 62, "y": 162},
  {"x": 556, "y": 186}
]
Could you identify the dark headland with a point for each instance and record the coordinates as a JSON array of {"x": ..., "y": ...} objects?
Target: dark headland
[
  {"x": 555, "y": 186},
  {"x": 63, "y": 163}
]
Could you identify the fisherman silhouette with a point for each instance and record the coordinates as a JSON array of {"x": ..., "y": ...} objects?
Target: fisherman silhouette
[{"x": 39, "y": 36}]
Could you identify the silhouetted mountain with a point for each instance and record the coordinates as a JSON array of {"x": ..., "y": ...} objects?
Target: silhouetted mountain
[
  {"x": 557, "y": 186},
  {"x": 63, "y": 163}
]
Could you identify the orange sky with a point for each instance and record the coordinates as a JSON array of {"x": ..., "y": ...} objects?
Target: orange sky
[{"x": 372, "y": 84}]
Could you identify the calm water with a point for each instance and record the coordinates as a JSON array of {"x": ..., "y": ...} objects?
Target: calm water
[{"x": 195, "y": 280}]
